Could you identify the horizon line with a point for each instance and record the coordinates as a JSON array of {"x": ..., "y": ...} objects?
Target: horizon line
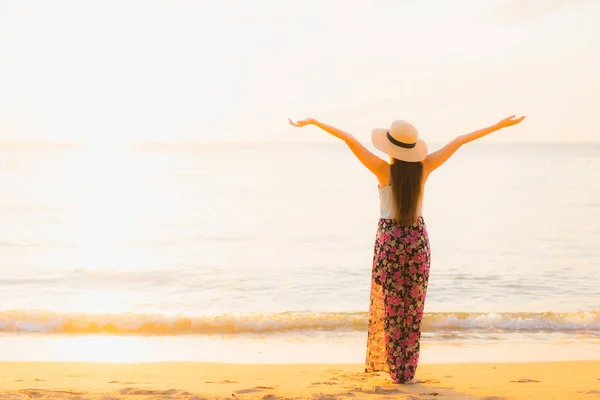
[{"x": 55, "y": 143}]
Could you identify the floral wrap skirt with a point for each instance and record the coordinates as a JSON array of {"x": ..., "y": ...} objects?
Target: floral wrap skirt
[{"x": 400, "y": 275}]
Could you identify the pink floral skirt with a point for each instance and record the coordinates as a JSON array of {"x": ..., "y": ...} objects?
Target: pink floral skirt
[{"x": 398, "y": 288}]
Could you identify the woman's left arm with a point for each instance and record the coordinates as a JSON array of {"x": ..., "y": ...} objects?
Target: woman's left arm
[
  {"x": 436, "y": 159},
  {"x": 373, "y": 163}
]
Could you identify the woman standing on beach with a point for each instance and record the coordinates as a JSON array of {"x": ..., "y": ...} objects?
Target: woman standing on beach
[{"x": 402, "y": 255}]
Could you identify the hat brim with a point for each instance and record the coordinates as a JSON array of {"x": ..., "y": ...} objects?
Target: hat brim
[{"x": 382, "y": 143}]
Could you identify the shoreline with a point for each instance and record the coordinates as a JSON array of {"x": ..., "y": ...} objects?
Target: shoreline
[
  {"x": 322, "y": 348},
  {"x": 194, "y": 380}
]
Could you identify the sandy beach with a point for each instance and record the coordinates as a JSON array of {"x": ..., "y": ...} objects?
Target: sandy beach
[{"x": 195, "y": 381}]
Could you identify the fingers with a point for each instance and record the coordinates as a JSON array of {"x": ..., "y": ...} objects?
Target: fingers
[
  {"x": 512, "y": 119},
  {"x": 298, "y": 124}
]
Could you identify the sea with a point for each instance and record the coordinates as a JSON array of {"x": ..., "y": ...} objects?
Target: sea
[{"x": 262, "y": 253}]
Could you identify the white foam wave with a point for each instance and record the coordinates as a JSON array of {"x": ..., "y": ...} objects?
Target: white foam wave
[{"x": 39, "y": 321}]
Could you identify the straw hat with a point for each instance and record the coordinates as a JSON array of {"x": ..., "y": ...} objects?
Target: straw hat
[{"x": 401, "y": 141}]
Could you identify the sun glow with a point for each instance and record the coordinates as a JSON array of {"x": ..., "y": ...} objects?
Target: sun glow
[{"x": 115, "y": 193}]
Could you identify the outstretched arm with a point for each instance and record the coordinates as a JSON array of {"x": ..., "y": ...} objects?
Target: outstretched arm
[
  {"x": 375, "y": 164},
  {"x": 437, "y": 158}
]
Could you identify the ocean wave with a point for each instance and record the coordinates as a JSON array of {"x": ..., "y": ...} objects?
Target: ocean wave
[{"x": 39, "y": 321}]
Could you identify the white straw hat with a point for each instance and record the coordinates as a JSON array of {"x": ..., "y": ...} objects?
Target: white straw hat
[{"x": 401, "y": 141}]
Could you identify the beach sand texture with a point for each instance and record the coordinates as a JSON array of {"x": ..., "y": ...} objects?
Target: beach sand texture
[{"x": 195, "y": 381}]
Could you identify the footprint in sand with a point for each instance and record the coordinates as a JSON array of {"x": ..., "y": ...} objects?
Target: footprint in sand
[
  {"x": 34, "y": 393},
  {"x": 149, "y": 392},
  {"x": 39, "y": 380},
  {"x": 322, "y": 396},
  {"x": 273, "y": 397},
  {"x": 352, "y": 392},
  {"x": 324, "y": 383},
  {"x": 253, "y": 389},
  {"x": 355, "y": 377},
  {"x": 525, "y": 380},
  {"x": 19, "y": 380},
  {"x": 384, "y": 390}
]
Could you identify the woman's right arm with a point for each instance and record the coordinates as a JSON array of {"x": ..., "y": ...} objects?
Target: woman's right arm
[
  {"x": 437, "y": 158},
  {"x": 380, "y": 168}
]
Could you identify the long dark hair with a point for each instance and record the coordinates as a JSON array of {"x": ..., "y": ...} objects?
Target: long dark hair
[{"x": 405, "y": 178}]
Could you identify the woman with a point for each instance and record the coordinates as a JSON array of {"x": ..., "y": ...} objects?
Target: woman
[{"x": 401, "y": 258}]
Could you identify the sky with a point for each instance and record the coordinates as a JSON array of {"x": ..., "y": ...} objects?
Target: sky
[{"x": 110, "y": 72}]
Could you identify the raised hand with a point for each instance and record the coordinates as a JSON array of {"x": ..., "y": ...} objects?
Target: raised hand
[
  {"x": 301, "y": 123},
  {"x": 510, "y": 121}
]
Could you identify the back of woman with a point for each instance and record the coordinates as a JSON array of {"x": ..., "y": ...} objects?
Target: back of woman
[
  {"x": 400, "y": 274},
  {"x": 401, "y": 258}
]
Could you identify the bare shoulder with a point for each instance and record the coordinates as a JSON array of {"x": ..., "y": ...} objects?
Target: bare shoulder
[
  {"x": 427, "y": 167},
  {"x": 383, "y": 176}
]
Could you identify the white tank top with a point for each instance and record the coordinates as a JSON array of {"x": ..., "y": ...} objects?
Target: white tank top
[{"x": 386, "y": 203}]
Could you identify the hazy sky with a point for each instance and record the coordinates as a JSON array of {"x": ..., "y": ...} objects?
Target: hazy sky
[{"x": 119, "y": 71}]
